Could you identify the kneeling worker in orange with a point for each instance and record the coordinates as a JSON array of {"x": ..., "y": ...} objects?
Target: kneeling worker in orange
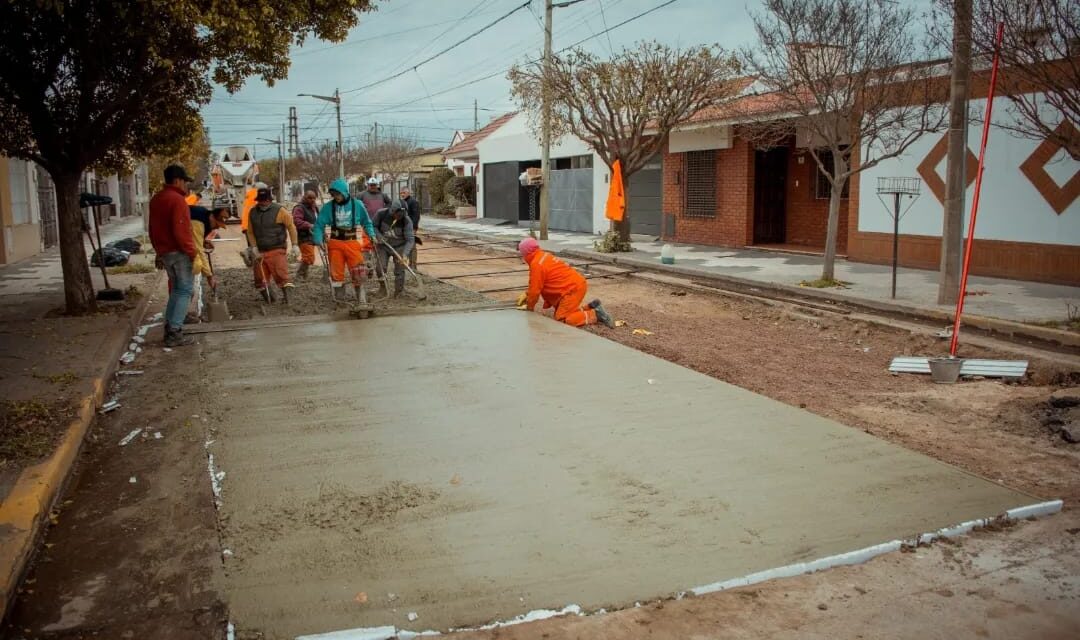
[
  {"x": 345, "y": 217},
  {"x": 560, "y": 286}
]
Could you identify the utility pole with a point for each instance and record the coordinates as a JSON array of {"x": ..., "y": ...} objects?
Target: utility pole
[
  {"x": 281, "y": 163},
  {"x": 545, "y": 137},
  {"x": 294, "y": 133},
  {"x": 952, "y": 231},
  {"x": 376, "y": 138},
  {"x": 475, "y": 116},
  {"x": 336, "y": 99}
]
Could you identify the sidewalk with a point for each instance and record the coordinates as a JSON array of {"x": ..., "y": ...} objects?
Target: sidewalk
[
  {"x": 916, "y": 289},
  {"x": 56, "y": 369}
]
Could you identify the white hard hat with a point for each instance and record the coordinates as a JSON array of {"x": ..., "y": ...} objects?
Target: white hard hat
[{"x": 373, "y": 180}]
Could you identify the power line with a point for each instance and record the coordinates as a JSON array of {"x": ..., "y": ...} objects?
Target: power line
[{"x": 456, "y": 44}]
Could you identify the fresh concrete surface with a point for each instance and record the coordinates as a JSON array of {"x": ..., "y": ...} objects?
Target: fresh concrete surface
[
  {"x": 1015, "y": 300},
  {"x": 482, "y": 465}
]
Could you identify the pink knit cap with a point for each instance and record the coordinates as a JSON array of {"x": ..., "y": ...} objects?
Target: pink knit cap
[{"x": 528, "y": 246}]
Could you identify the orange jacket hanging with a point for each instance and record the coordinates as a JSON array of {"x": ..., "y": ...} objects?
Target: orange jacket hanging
[{"x": 616, "y": 199}]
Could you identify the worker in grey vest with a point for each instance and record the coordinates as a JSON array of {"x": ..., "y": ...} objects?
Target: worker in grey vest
[{"x": 269, "y": 224}]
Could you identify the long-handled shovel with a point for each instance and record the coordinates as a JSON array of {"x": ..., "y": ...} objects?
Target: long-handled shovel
[
  {"x": 219, "y": 311},
  {"x": 397, "y": 256}
]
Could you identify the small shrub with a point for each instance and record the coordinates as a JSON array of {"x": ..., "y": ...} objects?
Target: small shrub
[
  {"x": 824, "y": 283},
  {"x": 445, "y": 209},
  {"x": 462, "y": 190},
  {"x": 437, "y": 184},
  {"x": 610, "y": 243}
]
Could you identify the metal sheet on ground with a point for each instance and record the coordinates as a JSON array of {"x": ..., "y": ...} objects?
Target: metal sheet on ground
[{"x": 472, "y": 467}]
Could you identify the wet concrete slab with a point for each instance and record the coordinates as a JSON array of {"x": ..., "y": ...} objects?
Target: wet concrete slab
[{"x": 472, "y": 467}]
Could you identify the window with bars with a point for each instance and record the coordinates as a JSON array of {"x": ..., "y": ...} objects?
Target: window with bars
[
  {"x": 701, "y": 184},
  {"x": 822, "y": 187}
]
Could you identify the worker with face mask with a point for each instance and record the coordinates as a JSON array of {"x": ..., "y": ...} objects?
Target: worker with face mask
[{"x": 346, "y": 218}]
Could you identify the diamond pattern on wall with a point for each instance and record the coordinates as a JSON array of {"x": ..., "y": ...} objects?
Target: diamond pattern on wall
[
  {"x": 1034, "y": 169},
  {"x": 928, "y": 168}
]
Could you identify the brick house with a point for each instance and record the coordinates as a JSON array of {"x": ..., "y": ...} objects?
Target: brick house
[{"x": 719, "y": 190}]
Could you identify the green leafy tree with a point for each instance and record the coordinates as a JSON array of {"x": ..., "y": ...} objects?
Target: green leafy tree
[
  {"x": 193, "y": 151},
  {"x": 96, "y": 83},
  {"x": 437, "y": 184}
]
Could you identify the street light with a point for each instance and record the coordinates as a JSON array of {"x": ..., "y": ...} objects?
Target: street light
[
  {"x": 281, "y": 165},
  {"x": 336, "y": 99}
]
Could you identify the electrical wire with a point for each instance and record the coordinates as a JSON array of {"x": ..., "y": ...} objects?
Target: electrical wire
[{"x": 453, "y": 46}]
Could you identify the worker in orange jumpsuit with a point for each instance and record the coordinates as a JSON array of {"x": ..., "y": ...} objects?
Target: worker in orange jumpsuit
[
  {"x": 560, "y": 286},
  {"x": 348, "y": 221}
]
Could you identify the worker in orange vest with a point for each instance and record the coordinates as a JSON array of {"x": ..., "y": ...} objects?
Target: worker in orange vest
[{"x": 560, "y": 286}]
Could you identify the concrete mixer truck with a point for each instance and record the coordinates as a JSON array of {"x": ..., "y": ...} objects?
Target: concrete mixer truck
[{"x": 233, "y": 177}]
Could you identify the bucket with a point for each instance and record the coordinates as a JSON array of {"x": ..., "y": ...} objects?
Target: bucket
[
  {"x": 945, "y": 370},
  {"x": 667, "y": 254}
]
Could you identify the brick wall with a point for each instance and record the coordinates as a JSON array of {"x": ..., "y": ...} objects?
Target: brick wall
[
  {"x": 732, "y": 225},
  {"x": 807, "y": 216}
]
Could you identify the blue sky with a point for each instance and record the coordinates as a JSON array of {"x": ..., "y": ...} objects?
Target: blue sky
[{"x": 424, "y": 103}]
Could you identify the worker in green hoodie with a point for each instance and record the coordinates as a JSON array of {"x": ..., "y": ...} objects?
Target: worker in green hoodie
[{"x": 345, "y": 217}]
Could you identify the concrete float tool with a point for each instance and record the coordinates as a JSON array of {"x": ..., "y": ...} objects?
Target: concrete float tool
[{"x": 361, "y": 308}]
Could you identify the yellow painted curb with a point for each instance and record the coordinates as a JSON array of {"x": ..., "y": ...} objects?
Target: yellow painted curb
[{"x": 25, "y": 510}]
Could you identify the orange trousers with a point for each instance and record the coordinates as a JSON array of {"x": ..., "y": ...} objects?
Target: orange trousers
[
  {"x": 570, "y": 310},
  {"x": 346, "y": 253},
  {"x": 307, "y": 253},
  {"x": 271, "y": 264}
]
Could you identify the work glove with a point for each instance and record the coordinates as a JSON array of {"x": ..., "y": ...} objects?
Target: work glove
[
  {"x": 294, "y": 253},
  {"x": 521, "y": 301},
  {"x": 254, "y": 253}
]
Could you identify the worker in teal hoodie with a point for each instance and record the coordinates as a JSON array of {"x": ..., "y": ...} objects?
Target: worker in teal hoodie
[{"x": 345, "y": 217}]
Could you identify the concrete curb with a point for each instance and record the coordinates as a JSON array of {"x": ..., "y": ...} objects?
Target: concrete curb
[
  {"x": 26, "y": 508},
  {"x": 1016, "y": 330}
]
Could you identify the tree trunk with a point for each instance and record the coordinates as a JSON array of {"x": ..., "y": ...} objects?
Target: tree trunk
[
  {"x": 952, "y": 230},
  {"x": 624, "y": 226},
  {"x": 828, "y": 269},
  {"x": 78, "y": 287}
]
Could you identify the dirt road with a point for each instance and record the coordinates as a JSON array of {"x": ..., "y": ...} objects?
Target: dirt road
[{"x": 127, "y": 559}]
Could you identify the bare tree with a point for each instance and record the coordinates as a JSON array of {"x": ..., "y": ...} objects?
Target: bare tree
[
  {"x": 1040, "y": 54},
  {"x": 625, "y": 107},
  {"x": 394, "y": 156},
  {"x": 844, "y": 72}
]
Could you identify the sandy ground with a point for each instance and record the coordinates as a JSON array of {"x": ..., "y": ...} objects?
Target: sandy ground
[{"x": 1016, "y": 583}]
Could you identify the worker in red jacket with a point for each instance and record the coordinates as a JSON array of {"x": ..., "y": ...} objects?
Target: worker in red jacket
[
  {"x": 170, "y": 233},
  {"x": 560, "y": 286}
]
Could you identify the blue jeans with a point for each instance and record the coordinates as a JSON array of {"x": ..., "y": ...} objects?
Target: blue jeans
[{"x": 181, "y": 279}]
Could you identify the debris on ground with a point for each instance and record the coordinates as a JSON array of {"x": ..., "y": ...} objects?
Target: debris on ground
[
  {"x": 110, "y": 406},
  {"x": 129, "y": 437},
  {"x": 642, "y": 332},
  {"x": 29, "y": 428}
]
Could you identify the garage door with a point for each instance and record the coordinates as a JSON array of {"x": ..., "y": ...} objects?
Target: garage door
[
  {"x": 645, "y": 195},
  {"x": 501, "y": 187}
]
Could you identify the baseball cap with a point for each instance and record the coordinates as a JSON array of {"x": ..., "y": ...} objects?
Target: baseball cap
[
  {"x": 264, "y": 193},
  {"x": 174, "y": 171}
]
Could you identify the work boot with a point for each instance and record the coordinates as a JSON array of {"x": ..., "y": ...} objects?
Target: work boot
[
  {"x": 191, "y": 318},
  {"x": 339, "y": 294},
  {"x": 601, "y": 314},
  {"x": 266, "y": 295},
  {"x": 176, "y": 338},
  {"x": 302, "y": 271},
  {"x": 285, "y": 290}
]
